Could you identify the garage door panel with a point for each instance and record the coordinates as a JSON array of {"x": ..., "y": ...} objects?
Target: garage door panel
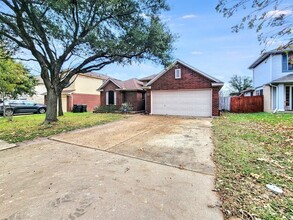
[{"x": 178, "y": 102}]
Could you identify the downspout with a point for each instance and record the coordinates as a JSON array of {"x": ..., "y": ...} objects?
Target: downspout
[{"x": 277, "y": 97}]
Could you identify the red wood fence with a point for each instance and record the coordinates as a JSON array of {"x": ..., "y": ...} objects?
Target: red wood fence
[{"x": 246, "y": 104}]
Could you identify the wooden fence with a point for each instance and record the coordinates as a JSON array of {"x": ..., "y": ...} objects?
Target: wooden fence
[{"x": 246, "y": 104}]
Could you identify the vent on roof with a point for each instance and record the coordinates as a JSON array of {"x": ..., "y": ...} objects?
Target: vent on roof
[{"x": 177, "y": 73}]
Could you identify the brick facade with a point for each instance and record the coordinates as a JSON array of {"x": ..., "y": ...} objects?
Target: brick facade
[
  {"x": 189, "y": 80},
  {"x": 135, "y": 98},
  {"x": 148, "y": 102},
  {"x": 111, "y": 87},
  {"x": 215, "y": 100},
  {"x": 90, "y": 100},
  {"x": 132, "y": 97}
]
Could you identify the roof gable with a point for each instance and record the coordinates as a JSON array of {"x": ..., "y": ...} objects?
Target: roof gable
[
  {"x": 131, "y": 84},
  {"x": 115, "y": 82},
  {"x": 187, "y": 66},
  {"x": 265, "y": 55}
]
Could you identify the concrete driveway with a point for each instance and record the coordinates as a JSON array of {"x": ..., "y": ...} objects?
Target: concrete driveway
[{"x": 143, "y": 167}]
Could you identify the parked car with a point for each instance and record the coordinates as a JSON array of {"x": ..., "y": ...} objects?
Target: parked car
[{"x": 21, "y": 106}]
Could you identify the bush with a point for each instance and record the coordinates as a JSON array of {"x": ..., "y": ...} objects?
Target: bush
[
  {"x": 126, "y": 107},
  {"x": 106, "y": 109}
]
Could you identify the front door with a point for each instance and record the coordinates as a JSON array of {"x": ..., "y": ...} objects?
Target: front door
[{"x": 111, "y": 98}]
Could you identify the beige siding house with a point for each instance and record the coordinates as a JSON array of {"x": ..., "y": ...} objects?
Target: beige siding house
[{"x": 82, "y": 91}]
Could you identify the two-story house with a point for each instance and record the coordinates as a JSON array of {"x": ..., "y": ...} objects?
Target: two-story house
[
  {"x": 273, "y": 78},
  {"x": 82, "y": 91}
]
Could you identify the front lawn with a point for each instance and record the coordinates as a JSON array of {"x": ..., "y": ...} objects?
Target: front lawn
[
  {"x": 252, "y": 150},
  {"x": 27, "y": 127}
]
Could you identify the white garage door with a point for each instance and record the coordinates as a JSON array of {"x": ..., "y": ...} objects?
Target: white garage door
[{"x": 182, "y": 102}]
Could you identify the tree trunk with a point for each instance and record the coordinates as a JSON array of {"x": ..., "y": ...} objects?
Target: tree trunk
[
  {"x": 60, "y": 108},
  {"x": 51, "y": 114}
]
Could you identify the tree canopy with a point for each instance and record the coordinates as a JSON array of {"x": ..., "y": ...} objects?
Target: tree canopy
[
  {"x": 239, "y": 83},
  {"x": 272, "y": 19},
  {"x": 84, "y": 35},
  {"x": 15, "y": 79}
]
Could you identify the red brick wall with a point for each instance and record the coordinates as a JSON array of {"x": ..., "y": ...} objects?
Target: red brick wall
[
  {"x": 69, "y": 100},
  {"x": 148, "y": 102},
  {"x": 215, "y": 99},
  {"x": 111, "y": 87},
  {"x": 135, "y": 98},
  {"x": 90, "y": 100},
  {"x": 189, "y": 80}
]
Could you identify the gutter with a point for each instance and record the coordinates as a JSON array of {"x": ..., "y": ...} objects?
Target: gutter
[
  {"x": 147, "y": 87},
  {"x": 217, "y": 84}
]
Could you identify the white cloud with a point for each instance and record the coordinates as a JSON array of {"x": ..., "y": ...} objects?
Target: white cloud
[
  {"x": 277, "y": 13},
  {"x": 196, "y": 52},
  {"x": 189, "y": 16}
]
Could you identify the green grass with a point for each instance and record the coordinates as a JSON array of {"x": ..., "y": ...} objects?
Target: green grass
[
  {"x": 253, "y": 150},
  {"x": 28, "y": 127}
]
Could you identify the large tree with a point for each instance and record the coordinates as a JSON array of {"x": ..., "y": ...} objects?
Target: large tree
[
  {"x": 240, "y": 83},
  {"x": 272, "y": 19},
  {"x": 77, "y": 36},
  {"x": 15, "y": 79}
]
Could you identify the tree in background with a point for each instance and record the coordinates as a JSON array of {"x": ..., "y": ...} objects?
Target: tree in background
[
  {"x": 83, "y": 36},
  {"x": 272, "y": 19},
  {"x": 15, "y": 79},
  {"x": 239, "y": 83}
]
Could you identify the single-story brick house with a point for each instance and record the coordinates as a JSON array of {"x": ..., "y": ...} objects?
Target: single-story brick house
[
  {"x": 178, "y": 90},
  {"x": 116, "y": 92},
  {"x": 183, "y": 90}
]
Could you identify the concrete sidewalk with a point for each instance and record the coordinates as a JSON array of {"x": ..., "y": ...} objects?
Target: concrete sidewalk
[{"x": 4, "y": 145}]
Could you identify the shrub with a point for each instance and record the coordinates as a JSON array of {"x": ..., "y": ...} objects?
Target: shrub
[
  {"x": 106, "y": 109},
  {"x": 126, "y": 107}
]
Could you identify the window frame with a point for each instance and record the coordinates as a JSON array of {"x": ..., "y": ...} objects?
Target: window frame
[
  {"x": 291, "y": 69},
  {"x": 178, "y": 70}
]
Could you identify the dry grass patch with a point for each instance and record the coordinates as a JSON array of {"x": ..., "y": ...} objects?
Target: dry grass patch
[{"x": 253, "y": 150}]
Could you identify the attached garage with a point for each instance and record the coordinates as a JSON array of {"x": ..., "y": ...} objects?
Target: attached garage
[
  {"x": 183, "y": 90},
  {"x": 182, "y": 102}
]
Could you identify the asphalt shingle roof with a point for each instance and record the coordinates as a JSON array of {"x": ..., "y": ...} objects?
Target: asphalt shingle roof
[{"x": 285, "y": 79}]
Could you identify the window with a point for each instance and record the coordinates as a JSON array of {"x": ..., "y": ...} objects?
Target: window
[
  {"x": 290, "y": 61},
  {"x": 177, "y": 73},
  {"x": 259, "y": 92},
  {"x": 28, "y": 103},
  {"x": 110, "y": 98},
  {"x": 287, "y": 96},
  {"x": 287, "y": 63}
]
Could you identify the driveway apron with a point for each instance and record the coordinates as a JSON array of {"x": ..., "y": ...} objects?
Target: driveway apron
[{"x": 143, "y": 167}]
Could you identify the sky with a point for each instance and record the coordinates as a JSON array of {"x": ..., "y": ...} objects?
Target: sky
[{"x": 205, "y": 42}]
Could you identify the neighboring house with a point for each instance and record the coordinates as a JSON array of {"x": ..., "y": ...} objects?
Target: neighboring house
[
  {"x": 82, "y": 91},
  {"x": 247, "y": 92},
  {"x": 178, "y": 90},
  {"x": 146, "y": 79},
  {"x": 117, "y": 92},
  {"x": 40, "y": 89},
  {"x": 273, "y": 78}
]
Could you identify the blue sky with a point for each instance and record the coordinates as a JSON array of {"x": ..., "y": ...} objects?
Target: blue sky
[{"x": 205, "y": 42}]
